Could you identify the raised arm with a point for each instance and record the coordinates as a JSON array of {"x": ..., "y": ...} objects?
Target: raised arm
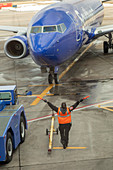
[
  {"x": 71, "y": 108},
  {"x": 51, "y": 106},
  {"x": 77, "y": 103}
]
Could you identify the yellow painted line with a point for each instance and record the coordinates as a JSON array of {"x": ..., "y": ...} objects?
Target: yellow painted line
[
  {"x": 42, "y": 94},
  {"x": 107, "y": 108},
  {"x": 37, "y": 85},
  {"x": 42, "y": 85},
  {"x": 60, "y": 76},
  {"x": 34, "y": 95},
  {"x": 76, "y": 59},
  {"x": 105, "y": 103},
  {"x": 51, "y": 133},
  {"x": 70, "y": 148}
]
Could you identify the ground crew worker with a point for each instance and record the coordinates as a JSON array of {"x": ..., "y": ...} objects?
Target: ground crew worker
[{"x": 64, "y": 119}]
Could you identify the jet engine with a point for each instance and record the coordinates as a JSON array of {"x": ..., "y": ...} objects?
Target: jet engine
[{"x": 16, "y": 47}]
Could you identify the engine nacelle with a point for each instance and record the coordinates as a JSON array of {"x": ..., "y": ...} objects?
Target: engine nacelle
[{"x": 16, "y": 47}]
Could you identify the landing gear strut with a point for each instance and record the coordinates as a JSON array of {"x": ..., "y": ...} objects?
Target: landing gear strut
[
  {"x": 56, "y": 78},
  {"x": 109, "y": 44},
  {"x": 50, "y": 78},
  {"x": 53, "y": 75}
]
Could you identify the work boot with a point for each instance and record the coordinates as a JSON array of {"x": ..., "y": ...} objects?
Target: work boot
[{"x": 66, "y": 145}]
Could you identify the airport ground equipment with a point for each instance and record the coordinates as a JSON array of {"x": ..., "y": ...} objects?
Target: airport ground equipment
[
  {"x": 12, "y": 122},
  {"x": 50, "y": 133}
]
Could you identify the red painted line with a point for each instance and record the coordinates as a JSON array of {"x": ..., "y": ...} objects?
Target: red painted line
[
  {"x": 39, "y": 118},
  {"x": 79, "y": 108}
]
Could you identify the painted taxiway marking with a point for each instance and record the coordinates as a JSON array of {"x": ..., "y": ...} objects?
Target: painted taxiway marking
[
  {"x": 69, "y": 148},
  {"x": 36, "y": 101},
  {"x": 39, "y": 118},
  {"x": 76, "y": 59},
  {"x": 94, "y": 105},
  {"x": 107, "y": 108},
  {"x": 42, "y": 94},
  {"x": 79, "y": 108},
  {"x": 34, "y": 95},
  {"x": 38, "y": 85},
  {"x": 106, "y": 102},
  {"x": 42, "y": 85}
]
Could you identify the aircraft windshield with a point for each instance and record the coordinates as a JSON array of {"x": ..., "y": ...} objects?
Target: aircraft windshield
[
  {"x": 46, "y": 29},
  {"x": 49, "y": 29},
  {"x": 36, "y": 30}
]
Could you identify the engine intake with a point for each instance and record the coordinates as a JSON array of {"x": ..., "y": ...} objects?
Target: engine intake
[{"x": 16, "y": 47}]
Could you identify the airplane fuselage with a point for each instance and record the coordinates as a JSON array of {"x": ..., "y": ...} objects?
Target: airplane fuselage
[{"x": 58, "y": 31}]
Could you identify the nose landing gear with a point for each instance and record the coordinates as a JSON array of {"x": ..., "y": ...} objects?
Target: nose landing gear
[
  {"x": 53, "y": 75},
  {"x": 56, "y": 78},
  {"x": 50, "y": 78}
]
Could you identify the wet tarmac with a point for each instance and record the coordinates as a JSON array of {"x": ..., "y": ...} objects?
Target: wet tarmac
[{"x": 92, "y": 124}]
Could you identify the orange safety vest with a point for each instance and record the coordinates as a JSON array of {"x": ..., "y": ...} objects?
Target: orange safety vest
[{"x": 64, "y": 118}]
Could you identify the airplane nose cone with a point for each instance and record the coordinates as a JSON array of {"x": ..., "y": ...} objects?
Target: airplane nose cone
[
  {"x": 42, "y": 46},
  {"x": 42, "y": 42}
]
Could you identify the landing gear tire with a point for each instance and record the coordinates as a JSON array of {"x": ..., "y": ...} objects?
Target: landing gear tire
[
  {"x": 50, "y": 79},
  {"x": 22, "y": 129},
  {"x": 105, "y": 46},
  {"x": 9, "y": 147}
]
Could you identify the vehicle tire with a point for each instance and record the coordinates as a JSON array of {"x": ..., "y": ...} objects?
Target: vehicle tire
[
  {"x": 105, "y": 46},
  {"x": 46, "y": 131},
  {"x": 9, "y": 147},
  {"x": 50, "y": 78},
  {"x": 22, "y": 129}
]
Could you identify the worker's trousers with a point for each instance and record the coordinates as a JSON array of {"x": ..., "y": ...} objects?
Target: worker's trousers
[{"x": 64, "y": 132}]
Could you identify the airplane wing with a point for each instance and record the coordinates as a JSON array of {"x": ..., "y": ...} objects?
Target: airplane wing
[
  {"x": 18, "y": 30},
  {"x": 100, "y": 31}
]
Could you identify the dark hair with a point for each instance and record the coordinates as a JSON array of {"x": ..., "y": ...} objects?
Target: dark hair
[{"x": 63, "y": 105}]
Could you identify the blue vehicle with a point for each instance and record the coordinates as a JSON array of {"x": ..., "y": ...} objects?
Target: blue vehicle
[
  {"x": 12, "y": 122},
  {"x": 57, "y": 32}
]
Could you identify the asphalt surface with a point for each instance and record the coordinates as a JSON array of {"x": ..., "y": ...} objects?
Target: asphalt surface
[{"x": 92, "y": 124}]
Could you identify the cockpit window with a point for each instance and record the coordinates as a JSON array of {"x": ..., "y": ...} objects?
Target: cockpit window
[
  {"x": 36, "y": 30},
  {"x": 49, "y": 29},
  {"x": 61, "y": 28}
]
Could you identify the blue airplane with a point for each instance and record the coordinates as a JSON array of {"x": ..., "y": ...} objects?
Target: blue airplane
[{"x": 57, "y": 32}]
